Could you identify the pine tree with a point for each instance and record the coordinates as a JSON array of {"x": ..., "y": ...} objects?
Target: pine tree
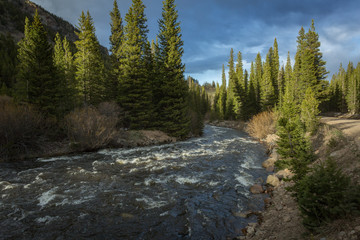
[
  {"x": 222, "y": 96},
  {"x": 69, "y": 74},
  {"x": 281, "y": 84},
  {"x": 90, "y": 69},
  {"x": 230, "y": 103},
  {"x": 239, "y": 87},
  {"x": 313, "y": 44},
  {"x": 353, "y": 94},
  {"x": 37, "y": 79},
  {"x": 173, "y": 105},
  {"x": 309, "y": 111},
  {"x": 275, "y": 64},
  {"x": 268, "y": 97},
  {"x": 59, "y": 63},
  {"x": 116, "y": 44},
  {"x": 258, "y": 78}
]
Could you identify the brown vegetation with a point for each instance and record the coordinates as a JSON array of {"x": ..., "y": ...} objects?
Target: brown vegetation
[
  {"x": 261, "y": 125},
  {"x": 90, "y": 129},
  {"x": 20, "y": 126}
]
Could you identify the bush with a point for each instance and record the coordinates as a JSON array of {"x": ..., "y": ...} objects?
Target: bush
[
  {"x": 262, "y": 125},
  {"x": 326, "y": 194},
  {"x": 20, "y": 126},
  {"x": 90, "y": 129}
]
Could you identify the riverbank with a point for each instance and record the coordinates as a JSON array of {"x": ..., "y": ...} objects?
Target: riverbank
[
  {"x": 281, "y": 219},
  {"x": 123, "y": 139}
]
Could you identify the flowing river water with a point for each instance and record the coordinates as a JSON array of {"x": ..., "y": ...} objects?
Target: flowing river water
[{"x": 187, "y": 190}]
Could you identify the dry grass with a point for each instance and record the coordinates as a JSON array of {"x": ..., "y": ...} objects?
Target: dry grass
[
  {"x": 90, "y": 129},
  {"x": 262, "y": 125},
  {"x": 20, "y": 127}
]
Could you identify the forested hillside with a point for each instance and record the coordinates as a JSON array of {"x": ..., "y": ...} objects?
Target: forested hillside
[{"x": 140, "y": 84}]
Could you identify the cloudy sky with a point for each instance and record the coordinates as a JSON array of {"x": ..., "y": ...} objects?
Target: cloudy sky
[{"x": 211, "y": 28}]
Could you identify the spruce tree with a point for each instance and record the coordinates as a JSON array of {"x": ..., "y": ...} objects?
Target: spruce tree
[
  {"x": 268, "y": 97},
  {"x": 275, "y": 64},
  {"x": 116, "y": 44},
  {"x": 258, "y": 70},
  {"x": 309, "y": 111},
  {"x": 37, "y": 79},
  {"x": 69, "y": 74},
  {"x": 239, "y": 87},
  {"x": 353, "y": 94},
  {"x": 222, "y": 96},
  {"x": 90, "y": 69},
  {"x": 230, "y": 103},
  {"x": 173, "y": 105}
]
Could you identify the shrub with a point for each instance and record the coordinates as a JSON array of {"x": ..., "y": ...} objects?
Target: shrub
[
  {"x": 90, "y": 129},
  {"x": 262, "y": 125},
  {"x": 326, "y": 194},
  {"x": 20, "y": 126}
]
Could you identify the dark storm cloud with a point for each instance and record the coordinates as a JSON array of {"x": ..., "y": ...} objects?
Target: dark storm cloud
[{"x": 211, "y": 28}]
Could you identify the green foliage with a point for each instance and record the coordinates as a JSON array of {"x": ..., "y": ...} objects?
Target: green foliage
[
  {"x": 173, "y": 104},
  {"x": 135, "y": 93},
  {"x": 268, "y": 97},
  {"x": 90, "y": 69},
  {"x": 37, "y": 79},
  {"x": 293, "y": 147},
  {"x": 8, "y": 61},
  {"x": 116, "y": 44},
  {"x": 230, "y": 101},
  {"x": 326, "y": 194},
  {"x": 309, "y": 111}
]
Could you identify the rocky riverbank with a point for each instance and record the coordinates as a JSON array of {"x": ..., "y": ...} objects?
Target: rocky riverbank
[{"x": 281, "y": 219}]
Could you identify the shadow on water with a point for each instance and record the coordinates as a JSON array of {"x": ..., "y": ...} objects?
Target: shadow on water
[{"x": 186, "y": 190}]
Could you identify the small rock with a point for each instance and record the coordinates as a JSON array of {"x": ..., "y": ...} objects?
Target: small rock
[
  {"x": 287, "y": 218},
  {"x": 339, "y": 153},
  {"x": 352, "y": 232},
  {"x": 272, "y": 180},
  {"x": 286, "y": 173},
  {"x": 270, "y": 169},
  {"x": 256, "y": 189},
  {"x": 250, "y": 231},
  {"x": 341, "y": 234},
  {"x": 275, "y": 154},
  {"x": 268, "y": 163},
  {"x": 357, "y": 229},
  {"x": 279, "y": 207},
  {"x": 322, "y": 238}
]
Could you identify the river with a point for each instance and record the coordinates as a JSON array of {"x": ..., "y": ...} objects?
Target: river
[{"x": 186, "y": 190}]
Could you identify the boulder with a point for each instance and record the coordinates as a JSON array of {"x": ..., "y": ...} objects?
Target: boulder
[
  {"x": 272, "y": 180},
  {"x": 275, "y": 155},
  {"x": 256, "y": 189},
  {"x": 285, "y": 173},
  {"x": 269, "y": 163}
]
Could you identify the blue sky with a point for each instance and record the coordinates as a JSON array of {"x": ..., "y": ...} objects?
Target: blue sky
[{"x": 210, "y": 28}]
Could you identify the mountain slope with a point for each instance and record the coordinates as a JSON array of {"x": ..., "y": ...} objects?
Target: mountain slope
[{"x": 12, "y": 18}]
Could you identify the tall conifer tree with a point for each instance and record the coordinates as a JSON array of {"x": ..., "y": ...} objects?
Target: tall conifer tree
[
  {"x": 173, "y": 105},
  {"x": 37, "y": 79},
  {"x": 230, "y": 103},
  {"x": 116, "y": 43},
  {"x": 135, "y": 94},
  {"x": 90, "y": 69}
]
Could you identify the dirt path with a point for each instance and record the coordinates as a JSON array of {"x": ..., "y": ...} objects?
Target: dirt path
[{"x": 350, "y": 127}]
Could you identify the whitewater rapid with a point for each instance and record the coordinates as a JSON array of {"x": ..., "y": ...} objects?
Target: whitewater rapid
[{"x": 186, "y": 190}]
